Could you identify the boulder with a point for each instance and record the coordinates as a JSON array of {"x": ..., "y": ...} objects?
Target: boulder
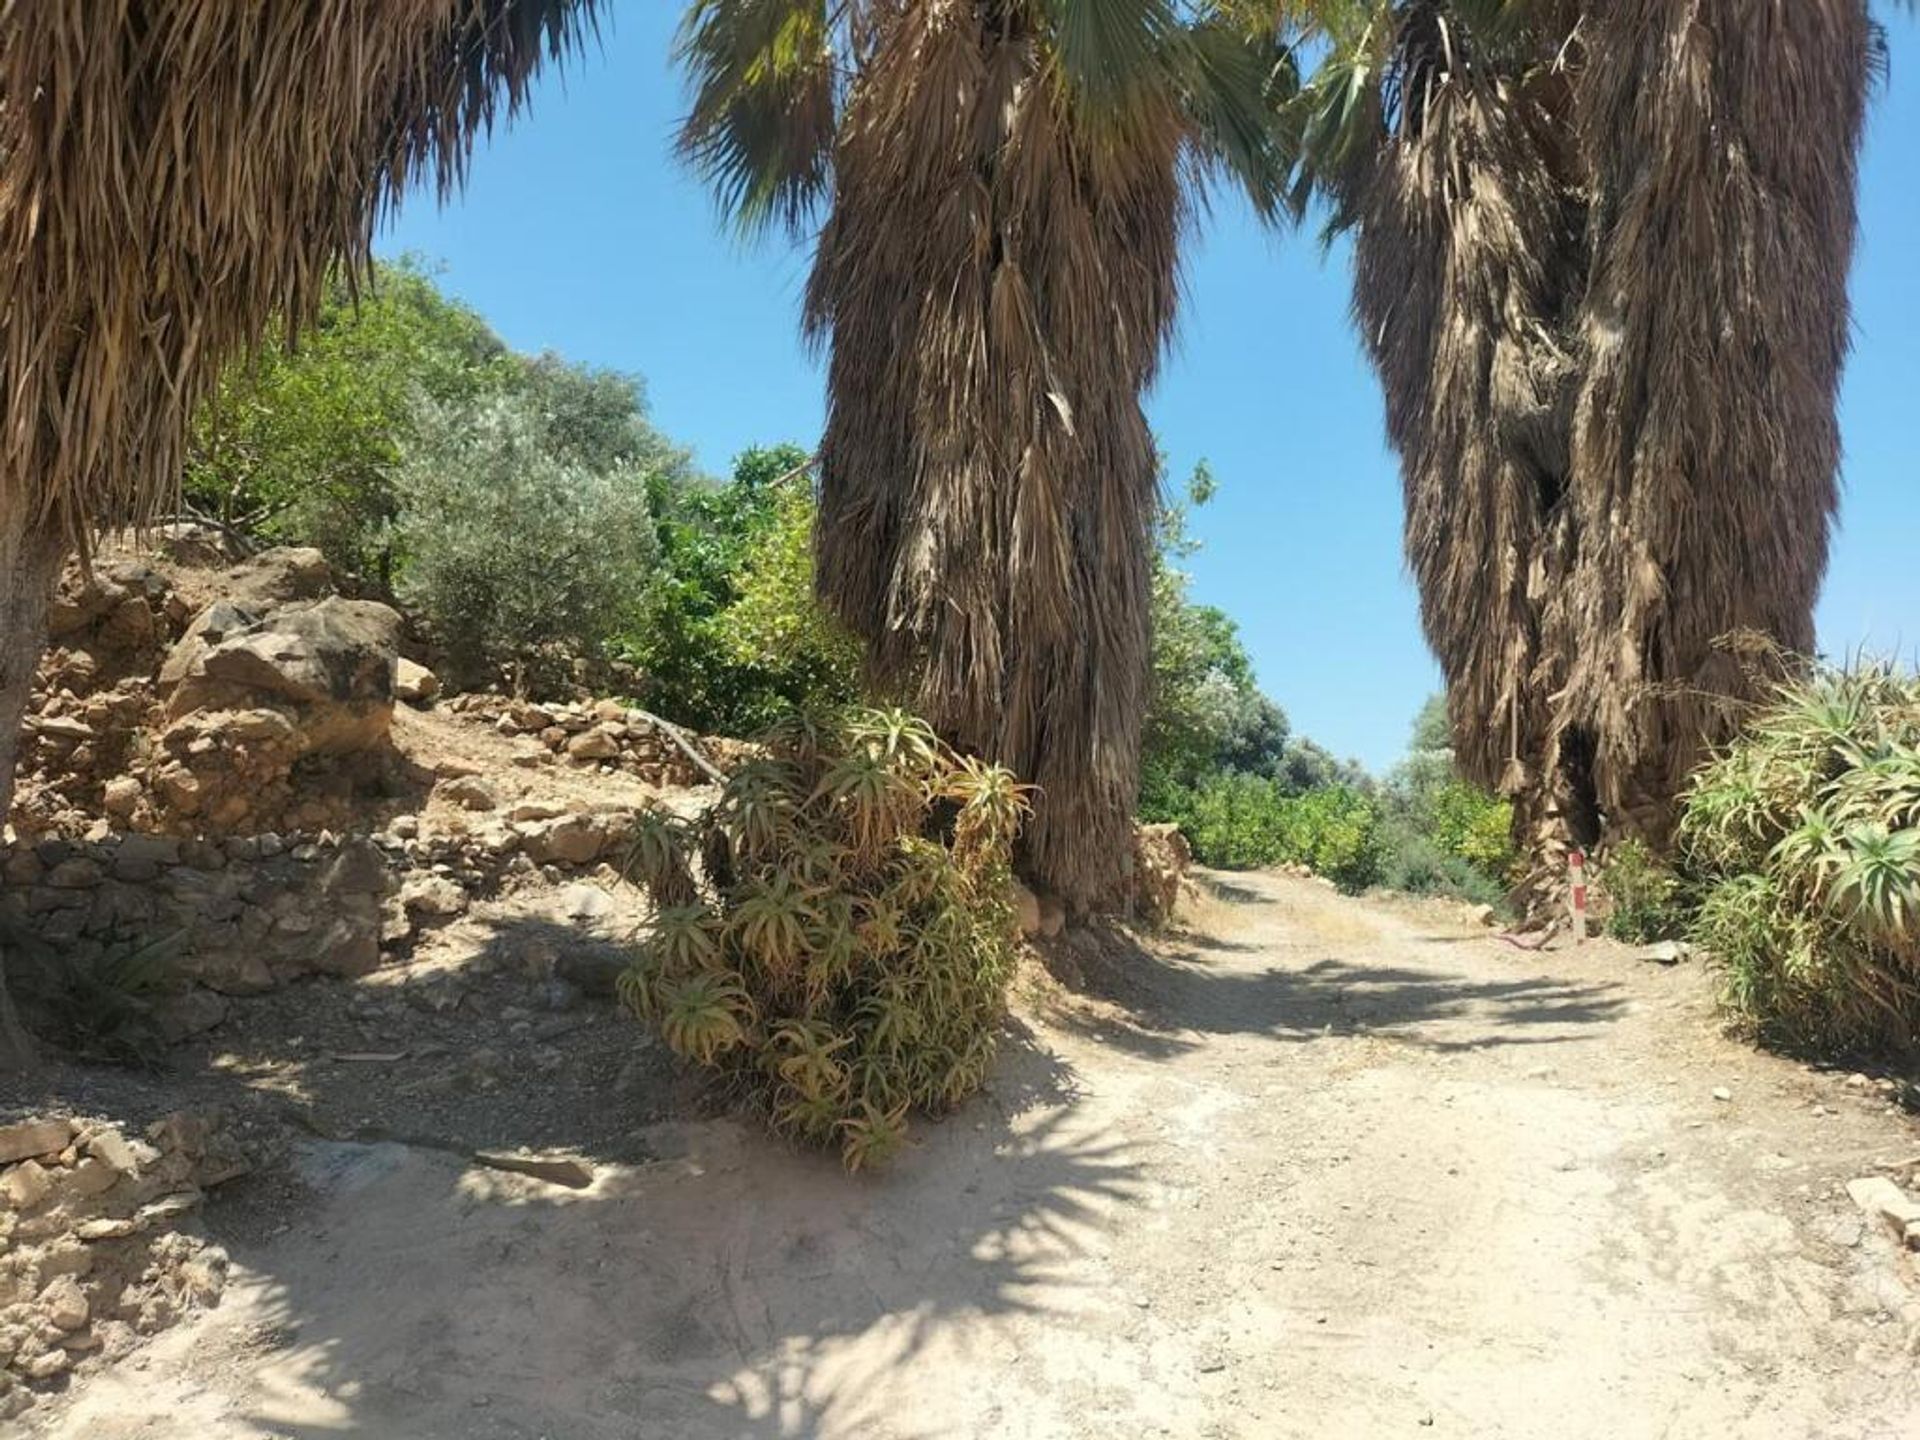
[
  {"x": 31, "y": 1138},
  {"x": 277, "y": 576},
  {"x": 414, "y": 683},
  {"x": 326, "y": 667}
]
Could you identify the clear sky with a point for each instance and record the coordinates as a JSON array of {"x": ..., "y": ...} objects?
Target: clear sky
[{"x": 580, "y": 233}]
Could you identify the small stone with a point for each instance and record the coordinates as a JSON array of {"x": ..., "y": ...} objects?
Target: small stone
[
  {"x": 1878, "y": 1195},
  {"x": 168, "y": 1207},
  {"x": 433, "y": 896},
  {"x": 1667, "y": 952},
  {"x": 45, "y": 1367},
  {"x": 469, "y": 792},
  {"x": 1483, "y": 915},
  {"x": 584, "y": 904},
  {"x": 595, "y": 744},
  {"x": 30, "y": 1138},
  {"x": 124, "y": 1155},
  {"x": 554, "y": 1169},
  {"x": 1722, "y": 1093},
  {"x": 1026, "y": 909},
  {"x": 65, "y": 1303},
  {"x": 120, "y": 795},
  {"x": 414, "y": 683},
  {"x": 25, "y": 1185},
  {"x": 92, "y": 1176},
  {"x": 93, "y": 1231}
]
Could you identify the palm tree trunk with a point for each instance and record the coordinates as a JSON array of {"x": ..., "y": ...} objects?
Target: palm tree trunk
[
  {"x": 30, "y": 557},
  {"x": 1721, "y": 137}
]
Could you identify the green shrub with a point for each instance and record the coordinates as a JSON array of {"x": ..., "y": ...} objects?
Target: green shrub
[
  {"x": 1412, "y": 863},
  {"x": 519, "y": 560},
  {"x": 1335, "y": 832},
  {"x": 1643, "y": 896},
  {"x": 1233, "y": 821},
  {"x": 300, "y": 446},
  {"x": 1472, "y": 826},
  {"x": 843, "y": 954},
  {"x": 732, "y": 637},
  {"x": 1806, "y": 836}
]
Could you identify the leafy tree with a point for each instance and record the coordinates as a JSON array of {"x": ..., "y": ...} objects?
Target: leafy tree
[
  {"x": 301, "y": 445},
  {"x": 1206, "y": 711},
  {"x": 732, "y": 636},
  {"x": 519, "y": 557}
]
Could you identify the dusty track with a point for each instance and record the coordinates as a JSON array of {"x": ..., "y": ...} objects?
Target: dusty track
[{"x": 1333, "y": 1169}]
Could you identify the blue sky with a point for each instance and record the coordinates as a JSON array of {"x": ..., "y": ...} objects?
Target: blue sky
[{"x": 580, "y": 233}]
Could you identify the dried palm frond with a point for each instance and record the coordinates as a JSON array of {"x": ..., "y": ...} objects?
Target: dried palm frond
[
  {"x": 994, "y": 284},
  {"x": 1721, "y": 140},
  {"x": 1600, "y": 262},
  {"x": 173, "y": 173}
]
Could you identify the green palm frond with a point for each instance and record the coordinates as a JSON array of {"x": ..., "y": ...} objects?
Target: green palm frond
[{"x": 765, "y": 107}]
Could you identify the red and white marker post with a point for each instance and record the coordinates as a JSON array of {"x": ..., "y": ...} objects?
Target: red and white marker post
[{"x": 1577, "y": 893}]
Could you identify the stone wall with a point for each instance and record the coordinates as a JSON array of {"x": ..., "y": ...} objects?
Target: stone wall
[
  {"x": 93, "y": 1253},
  {"x": 246, "y": 914}
]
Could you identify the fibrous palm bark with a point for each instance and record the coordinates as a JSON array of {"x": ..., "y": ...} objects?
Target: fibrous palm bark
[
  {"x": 173, "y": 173},
  {"x": 1601, "y": 254},
  {"x": 995, "y": 289},
  {"x": 995, "y": 284},
  {"x": 1720, "y": 139}
]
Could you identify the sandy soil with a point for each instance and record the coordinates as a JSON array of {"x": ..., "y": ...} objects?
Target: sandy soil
[{"x": 1327, "y": 1168}]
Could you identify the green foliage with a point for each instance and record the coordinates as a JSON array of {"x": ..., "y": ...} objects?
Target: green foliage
[
  {"x": 1643, "y": 896},
  {"x": 1443, "y": 836},
  {"x": 1805, "y": 835},
  {"x": 1413, "y": 863},
  {"x": 1239, "y": 821},
  {"x": 301, "y": 446},
  {"x": 1335, "y": 832},
  {"x": 844, "y": 956},
  {"x": 732, "y": 638},
  {"x": 519, "y": 558},
  {"x": 1217, "y": 758}
]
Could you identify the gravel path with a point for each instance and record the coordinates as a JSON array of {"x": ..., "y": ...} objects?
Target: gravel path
[{"x": 1327, "y": 1168}]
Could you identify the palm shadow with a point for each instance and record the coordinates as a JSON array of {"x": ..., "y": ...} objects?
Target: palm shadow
[
  {"x": 1163, "y": 996},
  {"x": 731, "y": 1286}
]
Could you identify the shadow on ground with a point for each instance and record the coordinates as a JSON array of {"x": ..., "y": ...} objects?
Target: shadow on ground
[
  {"x": 733, "y": 1287},
  {"x": 1164, "y": 994}
]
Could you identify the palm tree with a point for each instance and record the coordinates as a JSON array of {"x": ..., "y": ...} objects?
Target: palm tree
[
  {"x": 1600, "y": 262},
  {"x": 172, "y": 174},
  {"x": 1006, "y": 184}
]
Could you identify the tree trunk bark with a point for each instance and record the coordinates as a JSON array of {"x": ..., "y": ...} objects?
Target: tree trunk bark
[{"x": 30, "y": 557}]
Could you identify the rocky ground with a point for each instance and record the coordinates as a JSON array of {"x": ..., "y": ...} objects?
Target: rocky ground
[{"x": 1313, "y": 1167}]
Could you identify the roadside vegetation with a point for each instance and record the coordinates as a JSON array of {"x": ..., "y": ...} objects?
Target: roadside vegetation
[
  {"x": 1797, "y": 864},
  {"x": 840, "y": 952}
]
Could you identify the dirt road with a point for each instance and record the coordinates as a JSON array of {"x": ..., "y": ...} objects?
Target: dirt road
[{"x": 1335, "y": 1169}]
